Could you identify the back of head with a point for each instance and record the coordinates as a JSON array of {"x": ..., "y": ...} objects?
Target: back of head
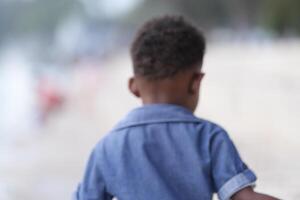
[{"x": 165, "y": 46}]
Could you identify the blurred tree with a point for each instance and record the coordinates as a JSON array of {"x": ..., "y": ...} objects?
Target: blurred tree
[
  {"x": 34, "y": 17},
  {"x": 282, "y": 16},
  {"x": 148, "y": 9},
  {"x": 41, "y": 17},
  {"x": 207, "y": 13}
]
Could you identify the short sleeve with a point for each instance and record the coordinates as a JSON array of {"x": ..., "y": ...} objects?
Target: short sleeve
[
  {"x": 92, "y": 186},
  {"x": 229, "y": 172}
]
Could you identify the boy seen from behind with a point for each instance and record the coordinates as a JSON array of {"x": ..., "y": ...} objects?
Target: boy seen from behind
[{"x": 161, "y": 150}]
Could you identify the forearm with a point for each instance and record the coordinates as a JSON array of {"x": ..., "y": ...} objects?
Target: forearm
[{"x": 249, "y": 194}]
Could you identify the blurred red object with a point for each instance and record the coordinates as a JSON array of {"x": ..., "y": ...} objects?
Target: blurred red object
[{"x": 50, "y": 97}]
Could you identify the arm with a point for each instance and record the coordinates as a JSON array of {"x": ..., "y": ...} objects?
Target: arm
[
  {"x": 232, "y": 178},
  {"x": 248, "y": 194}
]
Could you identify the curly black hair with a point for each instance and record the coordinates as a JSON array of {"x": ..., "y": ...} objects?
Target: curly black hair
[{"x": 165, "y": 46}]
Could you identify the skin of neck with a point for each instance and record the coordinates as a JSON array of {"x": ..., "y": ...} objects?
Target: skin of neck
[{"x": 181, "y": 89}]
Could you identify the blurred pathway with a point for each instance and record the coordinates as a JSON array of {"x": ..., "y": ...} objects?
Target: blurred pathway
[{"x": 253, "y": 90}]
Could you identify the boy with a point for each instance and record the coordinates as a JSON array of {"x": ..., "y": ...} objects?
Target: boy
[{"x": 161, "y": 151}]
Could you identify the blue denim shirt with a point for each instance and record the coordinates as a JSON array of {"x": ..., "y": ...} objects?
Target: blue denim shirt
[{"x": 164, "y": 152}]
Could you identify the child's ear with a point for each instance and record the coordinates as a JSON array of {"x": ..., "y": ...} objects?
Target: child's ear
[
  {"x": 195, "y": 82},
  {"x": 133, "y": 88}
]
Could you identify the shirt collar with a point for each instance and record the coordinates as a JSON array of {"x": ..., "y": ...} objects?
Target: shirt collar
[{"x": 157, "y": 113}]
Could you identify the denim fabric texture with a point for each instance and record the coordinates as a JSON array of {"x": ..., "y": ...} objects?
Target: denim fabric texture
[{"x": 164, "y": 152}]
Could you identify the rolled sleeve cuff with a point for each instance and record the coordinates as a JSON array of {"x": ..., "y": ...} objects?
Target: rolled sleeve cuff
[{"x": 236, "y": 183}]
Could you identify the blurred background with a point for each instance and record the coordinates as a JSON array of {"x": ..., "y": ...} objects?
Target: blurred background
[{"x": 64, "y": 67}]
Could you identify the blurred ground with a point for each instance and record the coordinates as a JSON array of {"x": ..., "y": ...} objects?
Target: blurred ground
[{"x": 252, "y": 89}]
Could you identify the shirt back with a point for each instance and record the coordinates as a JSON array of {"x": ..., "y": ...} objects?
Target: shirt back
[{"x": 164, "y": 152}]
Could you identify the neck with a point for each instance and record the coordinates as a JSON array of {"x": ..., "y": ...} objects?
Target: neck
[
  {"x": 162, "y": 100},
  {"x": 164, "y": 92},
  {"x": 165, "y": 99},
  {"x": 174, "y": 90}
]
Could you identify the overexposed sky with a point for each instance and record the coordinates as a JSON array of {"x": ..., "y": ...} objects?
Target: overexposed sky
[
  {"x": 117, "y": 7},
  {"x": 110, "y": 8}
]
